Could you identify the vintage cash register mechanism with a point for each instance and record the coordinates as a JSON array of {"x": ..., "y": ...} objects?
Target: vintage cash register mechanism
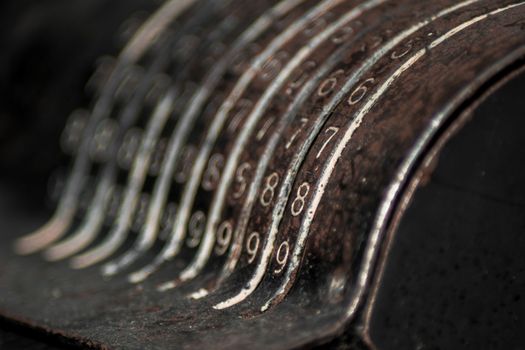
[{"x": 265, "y": 174}]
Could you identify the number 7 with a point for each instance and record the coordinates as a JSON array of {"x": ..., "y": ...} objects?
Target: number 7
[
  {"x": 292, "y": 139},
  {"x": 333, "y": 130}
]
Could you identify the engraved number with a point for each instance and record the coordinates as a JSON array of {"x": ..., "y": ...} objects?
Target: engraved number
[
  {"x": 168, "y": 219},
  {"x": 396, "y": 55},
  {"x": 332, "y": 131},
  {"x": 271, "y": 68},
  {"x": 252, "y": 246},
  {"x": 196, "y": 229},
  {"x": 360, "y": 92},
  {"x": 302, "y": 77},
  {"x": 224, "y": 237},
  {"x": 282, "y": 256},
  {"x": 158, "y": 157},
  {"x": 264, "y": 129},
  {"x": 296, "y": 133},
  {"x": 269, "y": 189},
  {"x": 213, "y": 173},
  {"x": 244, "y": 107},
  {"x": 298, "y": 203},
  {"x": 343, "y": 35},
  {"x": 186, "y": 159},
  {"x": 328, "y": 85},
  {"x": 240, "y": 178}
]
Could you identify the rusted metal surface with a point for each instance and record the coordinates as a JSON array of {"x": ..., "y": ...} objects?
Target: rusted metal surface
[
  {"x": 260, "y": 150},
  {"x": 488, "y": 196}
]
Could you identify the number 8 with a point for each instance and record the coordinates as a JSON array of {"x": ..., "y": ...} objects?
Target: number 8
[
  {"x": 298, "y": 203},
  {"x": 269, "y": 191}
]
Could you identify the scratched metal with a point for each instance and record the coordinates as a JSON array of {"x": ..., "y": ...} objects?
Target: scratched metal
[{"x": 233, "y": 182}]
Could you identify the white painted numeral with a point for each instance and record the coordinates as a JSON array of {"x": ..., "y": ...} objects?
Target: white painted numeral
[
  {"x": 224, "y": 237},
  {"x": 360, "y": 92},
  {"x": 298, "y": 203},
  {"x": 396, "y": 55},
  {"x": 167, "y": 220},
  {"x": 196, "y": 229},
  {"x": 282, "y": 256},
  {"x": 269, "y": 189},
  {"x": 343, "y": 35},
  {"x": 158, "y": 157},
  {"x": 240, "y": 178},
  {"x": 213, "y": 172},
  {"x": 252, "y": 246},
  {"x": 186, "y": 160},
  {"x": 328, "y": 85},
  {"x": 332, "y": 131},
  {"x": 302, "y": 78},
  {"x": 244, "y": 107},
  {"x": 271, "y": 68},
  {"x": 264, "y": 129},
  {"x": 296, "y": 133},
  {"x": 318, "y": 24}
]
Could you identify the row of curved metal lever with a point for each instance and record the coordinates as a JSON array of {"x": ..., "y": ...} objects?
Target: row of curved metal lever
[{"x": 173, "y": 98}]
